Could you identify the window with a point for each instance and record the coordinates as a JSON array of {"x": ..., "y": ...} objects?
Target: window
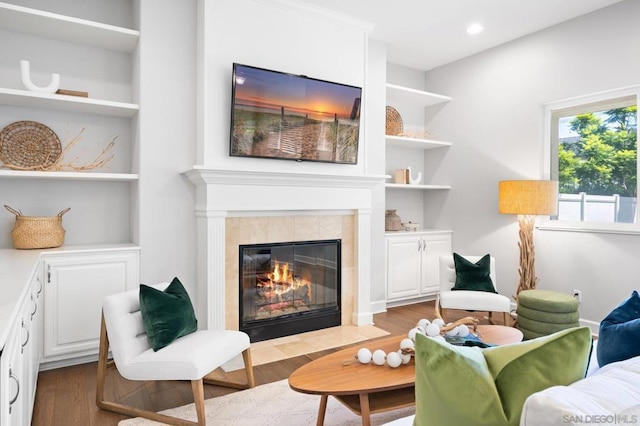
[{"x": 594, "y": 157}]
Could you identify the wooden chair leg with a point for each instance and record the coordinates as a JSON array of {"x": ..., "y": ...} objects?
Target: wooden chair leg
[
  {"x": 210, "y": 379},
  {"x": 507, "y": 319},
  {"x": 248, "y": 367},
  {"x": 102, "y": 363},
  {"x": 198, "y": 399},
  {"x": 491, "y": 320}
]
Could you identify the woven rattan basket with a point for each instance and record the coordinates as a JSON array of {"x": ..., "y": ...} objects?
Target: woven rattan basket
[
  {"x": 393, "y": 123},
  {"x": 37, "y": 232},
  {"x": 28, "y": 145}
]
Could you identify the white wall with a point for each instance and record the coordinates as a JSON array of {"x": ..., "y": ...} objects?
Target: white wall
[
  {"x": 269, "y": 35},
  {"x": 167, "y": 61},
  {"x": 496, "y": 123}
]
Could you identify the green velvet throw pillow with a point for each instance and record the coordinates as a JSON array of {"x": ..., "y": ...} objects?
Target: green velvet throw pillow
[
  {"x": 459, "y": 385},
  {"x": 473, "y": 276},
  {"x": 167, "y": 314}
]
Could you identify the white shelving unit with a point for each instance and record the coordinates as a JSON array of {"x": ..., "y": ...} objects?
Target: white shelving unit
[
  {"x": 417, "y": 143},
  {"x": 92, "y": 194},
  {"x": 415, "y": 187},
  {"x": 413, "y": 97},
  {"x": 66, "y": 28}
]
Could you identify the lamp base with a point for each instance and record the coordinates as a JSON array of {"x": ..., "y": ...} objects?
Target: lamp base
[{"x": 527, "y": 270}]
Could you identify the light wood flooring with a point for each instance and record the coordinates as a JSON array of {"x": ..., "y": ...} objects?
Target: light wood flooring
[{"x": 66, "y": 396}]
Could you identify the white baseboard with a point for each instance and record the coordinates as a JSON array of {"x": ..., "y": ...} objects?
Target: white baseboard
[{"x": 379, "y": 307}]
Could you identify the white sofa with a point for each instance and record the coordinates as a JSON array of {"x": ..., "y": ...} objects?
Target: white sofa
[{"x": 607, "y": 395}]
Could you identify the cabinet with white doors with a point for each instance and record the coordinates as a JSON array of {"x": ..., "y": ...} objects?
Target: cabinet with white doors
[
  {"x": 94, "y": 49},
  {"x": 413, "y": 264},
  {"x": 20, "y": 360},
  {"x": 75, "y": 283}
]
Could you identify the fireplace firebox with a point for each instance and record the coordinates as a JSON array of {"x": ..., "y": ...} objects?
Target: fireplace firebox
[{"x": 289, "y": 288}]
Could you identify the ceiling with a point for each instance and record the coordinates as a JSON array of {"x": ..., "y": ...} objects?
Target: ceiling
[{"x": 425, "y": 34}]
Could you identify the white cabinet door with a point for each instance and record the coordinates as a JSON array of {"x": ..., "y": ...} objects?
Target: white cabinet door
[
  {"x": 403, "y": 267},
  {"x": 12, "y": 378},
  {"x": 75, "y": 285},
  {"x": 434, "y": 246}
]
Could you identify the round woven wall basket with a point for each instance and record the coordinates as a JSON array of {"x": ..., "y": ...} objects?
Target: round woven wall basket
[
  {"x": 393, "y": 125},
  {"x": 28, "y": 145}
]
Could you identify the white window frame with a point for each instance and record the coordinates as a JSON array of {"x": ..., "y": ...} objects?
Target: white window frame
[{"x": 549, "y": 108}]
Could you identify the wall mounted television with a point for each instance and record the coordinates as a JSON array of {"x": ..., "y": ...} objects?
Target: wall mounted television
[{"x": 293, "y": 117}]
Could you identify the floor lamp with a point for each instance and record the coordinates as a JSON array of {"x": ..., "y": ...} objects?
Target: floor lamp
[{"x": 527, "y": 199}]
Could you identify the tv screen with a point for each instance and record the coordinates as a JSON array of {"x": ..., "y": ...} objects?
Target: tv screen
[{"x": 294, "y": 117}]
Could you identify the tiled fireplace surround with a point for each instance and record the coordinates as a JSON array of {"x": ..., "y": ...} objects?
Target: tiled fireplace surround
[{"x": 239, "y": 207}]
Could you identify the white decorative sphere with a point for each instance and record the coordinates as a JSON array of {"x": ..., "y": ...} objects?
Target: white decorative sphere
[
  {"x": 364, "y": 355},
  {"x": 379, "y": 356},
  {"x": 407, "y": 344},
  {"x": 404, "y": 357},
  {"x": 463, "y": 330},
  {"x": 421, "y": 329},
  {"x": 412, "y": 333},
  {"x": 453, "y": 332},
  {"x": 433, "y": 330},
  {"x": 438, "y": 321},
  {"x": 393, "y": 360},
  {"x": 424, "y": 322}
]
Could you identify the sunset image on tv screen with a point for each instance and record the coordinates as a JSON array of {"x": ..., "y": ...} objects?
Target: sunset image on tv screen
[{"x": 279, "y": 115}]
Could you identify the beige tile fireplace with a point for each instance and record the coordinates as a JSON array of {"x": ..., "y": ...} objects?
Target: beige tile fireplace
[
  {"x": 238, "y": 207},
  {"x": 274, "y": 229}
]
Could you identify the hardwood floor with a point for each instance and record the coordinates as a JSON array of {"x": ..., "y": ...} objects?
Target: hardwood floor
[{"x": 66, "y": 396}]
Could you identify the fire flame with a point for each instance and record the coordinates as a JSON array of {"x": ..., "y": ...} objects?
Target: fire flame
[{"x": 281, "y": 280}]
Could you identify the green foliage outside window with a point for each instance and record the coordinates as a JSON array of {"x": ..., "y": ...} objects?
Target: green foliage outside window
[{"x": 603, "y": 160}]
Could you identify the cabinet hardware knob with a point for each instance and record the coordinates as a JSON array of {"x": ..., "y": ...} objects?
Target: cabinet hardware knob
[
  {"x": 25, "y": 340},
  {"x": 49, "y": 274},
  {"x": 35, "y": 309},
  {"x": 15, "y": 398}
]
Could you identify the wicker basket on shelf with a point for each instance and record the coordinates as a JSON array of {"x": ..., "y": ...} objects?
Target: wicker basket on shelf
[
  {"x": 393, "y": 123},
  {"x": 28, "y": 145},
  {"x": 37, "y": 232}
]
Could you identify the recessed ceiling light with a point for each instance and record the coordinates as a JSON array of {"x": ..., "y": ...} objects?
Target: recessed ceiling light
[{"x": 474, "y": 29}]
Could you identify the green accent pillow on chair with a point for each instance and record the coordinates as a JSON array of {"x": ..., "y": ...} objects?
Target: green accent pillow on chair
[
  {"x": 458, "y": 385},
  {"x": 473, "y": 276},
  {"x": 166, "y": 315}
]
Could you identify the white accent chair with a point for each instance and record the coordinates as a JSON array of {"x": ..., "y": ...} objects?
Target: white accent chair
[
  {"x": 192, "y": 357},
  {"x": 469, "y": 300}
]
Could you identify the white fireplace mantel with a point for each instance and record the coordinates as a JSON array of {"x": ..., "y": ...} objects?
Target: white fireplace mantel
[{"x": 224, "y": 193}]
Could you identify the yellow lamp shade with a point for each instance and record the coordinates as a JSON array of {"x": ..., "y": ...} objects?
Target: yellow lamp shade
[{"x": 528, "y": 197}]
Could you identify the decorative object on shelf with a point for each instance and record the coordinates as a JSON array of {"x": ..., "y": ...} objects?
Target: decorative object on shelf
[
  {"x": 527, "y": 199},
  {"x": 22, "y": 147},
  {"x": 72, "y": 93},
  {"x": 411, "y": 180},
  {"x": 392, "y": 221},
  {"x": 37, "y": 232},
  {"x": 421, "y": 134},
  {"x": 410, "y": 226},
  {"x": 28, "y": 145},
  {"x": 400, "y": 176},
  {"x": 393, "y": 123},
  {"x": 25, "y": 73}
]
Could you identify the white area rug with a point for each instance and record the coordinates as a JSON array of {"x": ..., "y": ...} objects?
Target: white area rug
[{"x": 272, "y": 404}]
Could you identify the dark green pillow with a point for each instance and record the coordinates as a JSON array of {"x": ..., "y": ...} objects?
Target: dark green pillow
[
  {"x": 473, "y": 276},
  {"x": 620, "y": 332},
  {"x": 167, "y": 314}
]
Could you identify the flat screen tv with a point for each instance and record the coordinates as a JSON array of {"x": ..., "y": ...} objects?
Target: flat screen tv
[{"x": 293, "y": 117}]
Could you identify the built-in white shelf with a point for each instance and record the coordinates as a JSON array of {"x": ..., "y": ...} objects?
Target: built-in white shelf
[
  {"x": 79, "y": 104},
  {"x": 92, "y": 176},
  {"x": 413, "y": 97},
  {"x": 417, "y": 143},
  {"x": 66, "y": 28},
  {"x": 414, "y": 187}
]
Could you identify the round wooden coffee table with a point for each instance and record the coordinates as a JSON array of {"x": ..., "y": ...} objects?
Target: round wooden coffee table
[
  {"x": 367, "y": 388},
  {"x": 498, "y": 334}
]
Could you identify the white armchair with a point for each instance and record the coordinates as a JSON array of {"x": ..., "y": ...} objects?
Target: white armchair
[
  {"x": 191, "y": 357},
  {"x": 469, "y": 300}
]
